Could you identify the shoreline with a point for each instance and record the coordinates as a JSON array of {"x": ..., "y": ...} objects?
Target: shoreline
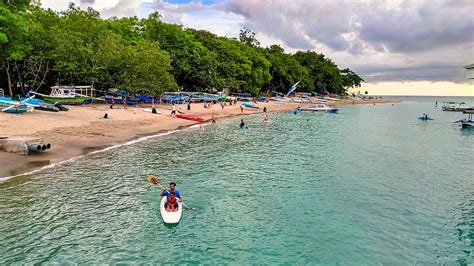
[{"x": 81, "y": 132}]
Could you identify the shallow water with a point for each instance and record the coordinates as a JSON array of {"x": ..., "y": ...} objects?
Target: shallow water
[{"x": 370, "y": 185}]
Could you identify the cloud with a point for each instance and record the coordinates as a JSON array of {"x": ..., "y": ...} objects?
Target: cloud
[
  {"x": 124, "y": 8},
  {"x": 381, "y": 39}
]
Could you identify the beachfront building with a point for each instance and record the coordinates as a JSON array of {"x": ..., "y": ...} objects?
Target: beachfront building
[{"x": 470, "y": 71}]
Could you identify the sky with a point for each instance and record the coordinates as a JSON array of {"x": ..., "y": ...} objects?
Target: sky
[{"x": 400, "y": 47}]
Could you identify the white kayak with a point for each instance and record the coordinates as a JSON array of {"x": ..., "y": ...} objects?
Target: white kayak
[{"x": 170, "y": 217}]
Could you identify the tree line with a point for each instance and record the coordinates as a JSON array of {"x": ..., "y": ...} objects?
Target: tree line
[{"x": 41, "y": 47}]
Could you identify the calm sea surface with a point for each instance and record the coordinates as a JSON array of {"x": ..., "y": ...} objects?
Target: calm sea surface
[{"x": 370, "y": 185}]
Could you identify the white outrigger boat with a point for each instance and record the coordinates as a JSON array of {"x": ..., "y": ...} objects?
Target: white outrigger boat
[
  {"x": 171, "y": 217},
  {"x": 469, "y": 122},
  {"x": 454, "y": 106},
  {"x": 320, "y": 108},
  {"x": 69, "y": 95}
]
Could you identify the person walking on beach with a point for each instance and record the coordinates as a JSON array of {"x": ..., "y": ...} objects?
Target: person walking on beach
[
  {"x": 241, "y": 109},
  {"x": 189, "y": 106},
  {"x": 222, "y": 106},
  {"x": 173, "y": 112},
  {"x": 213, "y": 120},
  {"x": 264, "y": 109}
]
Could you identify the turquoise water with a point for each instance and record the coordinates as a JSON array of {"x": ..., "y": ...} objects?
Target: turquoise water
[{"x": 371, "y": 185}]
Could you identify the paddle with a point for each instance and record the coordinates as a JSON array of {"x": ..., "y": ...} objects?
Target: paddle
[{"x": 154, "y": 181}]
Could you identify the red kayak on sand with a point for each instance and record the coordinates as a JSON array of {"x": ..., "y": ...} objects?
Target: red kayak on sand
[{"x": 187, "y": 117}]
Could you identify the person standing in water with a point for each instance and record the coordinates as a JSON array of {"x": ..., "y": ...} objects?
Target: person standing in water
[{"x": 242, "y": 124}]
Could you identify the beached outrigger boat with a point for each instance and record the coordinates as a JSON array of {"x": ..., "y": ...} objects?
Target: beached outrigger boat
[
  {"x": 14, "y": 107},
  {"x": 469, "y": 122},
  {"x": 69, "y": 94},
  {"x": 7, "y": 105},
  {"x": 320, "y": 108},
  {"x": 454, "y": 106}
]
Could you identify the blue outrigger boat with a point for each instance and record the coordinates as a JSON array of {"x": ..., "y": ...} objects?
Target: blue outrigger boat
[{"x": 14, "y": 107}]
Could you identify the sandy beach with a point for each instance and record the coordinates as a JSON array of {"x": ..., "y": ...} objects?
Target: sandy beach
[{"x": 82, "y": 129}]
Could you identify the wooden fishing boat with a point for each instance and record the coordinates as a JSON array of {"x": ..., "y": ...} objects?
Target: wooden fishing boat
[
  {"x": 14, "y": 107},
  {"x": 69, "y": 94}
]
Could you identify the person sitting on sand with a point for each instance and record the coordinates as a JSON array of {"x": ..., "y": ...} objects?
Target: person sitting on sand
[
  {"x": 171, "y": 204},
  {"x": 166, "y": 192}
]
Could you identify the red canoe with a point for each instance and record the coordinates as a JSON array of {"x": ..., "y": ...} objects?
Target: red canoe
[{"x": 187, "y": 117}]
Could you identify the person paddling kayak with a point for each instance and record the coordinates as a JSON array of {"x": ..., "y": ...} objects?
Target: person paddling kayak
[
  {"x": 166, "y": 192},
  {"x": 171, "y": 204}
]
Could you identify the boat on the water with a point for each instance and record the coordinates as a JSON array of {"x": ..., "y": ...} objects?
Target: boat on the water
[
  {"x": 69, "y": 95},
  {"x": 187, "y": 117},
  {"x": 454, "y": 106},
  {"x": 468, "y": 122},
  {"x": 320, "y": 108},
  {"x": 170, "y": 217}
]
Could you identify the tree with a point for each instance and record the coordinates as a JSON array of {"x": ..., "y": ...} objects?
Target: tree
[
  {"x": 147, "y": 69},
  {"x": 193, "y": 64},
  {"x": 286, "y": 71},
  {"x": 13, "y": 28},
  {"x": 322, "y": 71},
  {"x": 350, "y": 79},
  {"x": 247, "y": 37}
]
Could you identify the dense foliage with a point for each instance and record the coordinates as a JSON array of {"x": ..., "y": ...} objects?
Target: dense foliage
[{"x": 40, "y": 48}]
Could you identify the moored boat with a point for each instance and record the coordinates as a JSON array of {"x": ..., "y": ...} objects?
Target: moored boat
[
  {"x": 170, "y": 217},
  {"x": 468, "y": 122},
  {"x": 320, "y": 108},
  {"x": 454, "y": 106}
]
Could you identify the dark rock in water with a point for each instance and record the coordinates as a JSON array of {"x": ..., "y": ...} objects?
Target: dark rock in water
[{"x": 106, "y": 116}]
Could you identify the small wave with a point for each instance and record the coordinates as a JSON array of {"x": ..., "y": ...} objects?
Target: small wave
[{"x": 73, "y": 159}]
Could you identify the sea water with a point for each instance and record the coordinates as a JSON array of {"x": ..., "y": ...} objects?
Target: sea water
[{"x": 370, "y": 185}]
